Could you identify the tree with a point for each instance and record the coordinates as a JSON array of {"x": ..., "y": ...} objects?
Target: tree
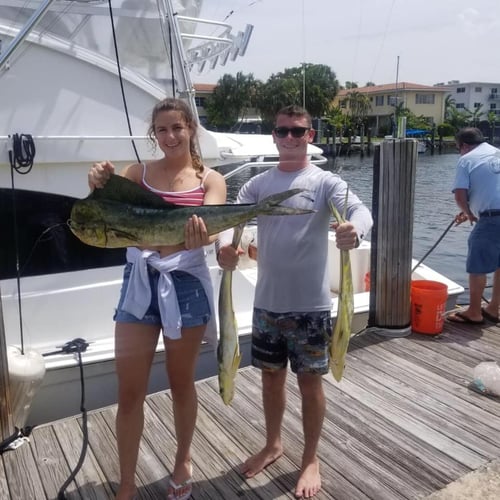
[
  {"x": 475, "y": 115},
  {"x": 231, "y": 99},
  {"x": 287, "y": 87},
  {"x": 458, "y": 119},
  {"x": 449, "y": 103},
  {"x": 351, "y": 85},
  {"x": 358, "y": 106}
]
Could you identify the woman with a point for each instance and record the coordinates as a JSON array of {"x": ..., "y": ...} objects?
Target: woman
[{"x": 178, "y": 271}]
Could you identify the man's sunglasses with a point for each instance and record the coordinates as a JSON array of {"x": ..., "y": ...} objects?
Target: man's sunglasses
[{"x": 296, "y": 132}]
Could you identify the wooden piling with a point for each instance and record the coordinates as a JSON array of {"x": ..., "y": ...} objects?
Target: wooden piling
[
  {"x": 6, "y": 425},
  {"x": 391, "y": 243}
]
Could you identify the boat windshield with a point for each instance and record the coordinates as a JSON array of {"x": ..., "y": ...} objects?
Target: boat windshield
[{"x": 85, "y": 28}]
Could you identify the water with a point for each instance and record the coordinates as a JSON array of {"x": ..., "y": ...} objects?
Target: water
[{"x": 434, "y": 209}]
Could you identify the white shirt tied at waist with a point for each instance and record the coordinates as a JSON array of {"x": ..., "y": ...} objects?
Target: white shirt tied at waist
[{"x": 138, "y": 294}]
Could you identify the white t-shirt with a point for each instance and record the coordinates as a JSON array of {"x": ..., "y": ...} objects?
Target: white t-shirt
[{"x": 292, "y": 250}]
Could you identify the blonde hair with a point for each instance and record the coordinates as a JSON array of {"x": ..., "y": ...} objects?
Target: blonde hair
[{"x": 172, "y": 104}]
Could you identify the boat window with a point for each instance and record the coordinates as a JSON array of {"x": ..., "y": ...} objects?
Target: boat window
[{"x": 56, "y": 251}]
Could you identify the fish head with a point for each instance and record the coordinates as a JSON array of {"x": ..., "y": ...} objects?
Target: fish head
[
  {"x": 89, "y": 233},
  {"x": 90, "y": 224}
]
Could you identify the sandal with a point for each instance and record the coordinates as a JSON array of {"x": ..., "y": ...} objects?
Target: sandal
[{"x": 180, "y": 491}]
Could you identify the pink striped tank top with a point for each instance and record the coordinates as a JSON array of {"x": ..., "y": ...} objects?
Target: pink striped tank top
[{"x": 190, "y": 198}]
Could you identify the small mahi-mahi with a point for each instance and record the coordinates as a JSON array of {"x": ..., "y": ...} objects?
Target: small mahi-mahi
[{"x": 228, "y": 350}]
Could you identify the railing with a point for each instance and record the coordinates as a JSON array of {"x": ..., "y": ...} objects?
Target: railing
[{"x": 266, "y": 164}]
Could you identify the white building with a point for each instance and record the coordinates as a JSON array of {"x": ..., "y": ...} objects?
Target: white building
[{"x": 472, "y": 95}]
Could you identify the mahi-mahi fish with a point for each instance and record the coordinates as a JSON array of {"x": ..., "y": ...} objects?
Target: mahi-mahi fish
[
  {"x": 228, "y": 350},
  {"x": 342, "y": 330},
  {"x": 123, "y": 214}
]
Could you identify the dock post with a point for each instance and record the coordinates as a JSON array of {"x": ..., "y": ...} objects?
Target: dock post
[
  {"x": 6, "y": 424},
  {"x": 394, "y": 172}
]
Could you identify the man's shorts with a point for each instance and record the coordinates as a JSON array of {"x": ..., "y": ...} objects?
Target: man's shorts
[
  {"x": 483, "y": 256},
  {"x": 303, "y": 338},
  {"x": 193, "y": 301}
]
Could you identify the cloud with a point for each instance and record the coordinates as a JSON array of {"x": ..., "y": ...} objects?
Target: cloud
[{"x": 475, "y": 25}]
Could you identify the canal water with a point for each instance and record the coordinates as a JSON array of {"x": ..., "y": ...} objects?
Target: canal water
[{"x": 435, "y": 208}]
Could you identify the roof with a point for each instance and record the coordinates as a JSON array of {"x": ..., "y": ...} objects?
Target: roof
[
  {"x": 388, "y": 87},
  {"x": 204, "y": 87}
]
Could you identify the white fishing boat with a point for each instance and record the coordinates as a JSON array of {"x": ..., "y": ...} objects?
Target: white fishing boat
[{"x": 65, "y": 102}]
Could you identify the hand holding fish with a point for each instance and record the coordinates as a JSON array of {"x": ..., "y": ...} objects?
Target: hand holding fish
[
  {"x": 228, "y": 257},
  {"x": 196, "y": 234},
  {"x": 346, "y": 235},
  {"x": 99, "y": 174}
]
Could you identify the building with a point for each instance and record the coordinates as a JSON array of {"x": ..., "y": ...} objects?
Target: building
[
  {"x": 474, "y": 95},
  {"x": 202, "y": 91},
  {"x": 422, "y": 100}
]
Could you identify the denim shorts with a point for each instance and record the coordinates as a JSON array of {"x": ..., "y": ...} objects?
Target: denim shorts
[
  {"x": 302, "y": 338},
  {"x": 483, "y": 256},
  {"x": 193, "y": 301}
]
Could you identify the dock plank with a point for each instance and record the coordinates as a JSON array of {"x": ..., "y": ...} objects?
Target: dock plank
[{"x": 402, "y": 424}]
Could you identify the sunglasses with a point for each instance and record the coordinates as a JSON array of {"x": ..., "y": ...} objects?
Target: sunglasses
[{"x": 296, "y": 132}]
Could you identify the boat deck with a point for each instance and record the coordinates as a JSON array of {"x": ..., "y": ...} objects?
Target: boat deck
[{"x": 402, "y": 424}]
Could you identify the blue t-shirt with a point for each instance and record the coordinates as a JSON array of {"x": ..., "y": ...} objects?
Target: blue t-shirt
[{"x": 478, "y": 171}]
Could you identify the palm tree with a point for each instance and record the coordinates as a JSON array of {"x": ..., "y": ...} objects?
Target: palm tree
[
  {"x": 449, "y": 104},
  {"x": 358, "y": 106},
  {"x": 475, "y": 115}
]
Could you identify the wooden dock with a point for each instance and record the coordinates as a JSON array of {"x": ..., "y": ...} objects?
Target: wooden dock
[{"x": 402, "y": 424}]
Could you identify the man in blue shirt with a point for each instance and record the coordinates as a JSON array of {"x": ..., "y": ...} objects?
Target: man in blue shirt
[{"x": 477, "y": 194}]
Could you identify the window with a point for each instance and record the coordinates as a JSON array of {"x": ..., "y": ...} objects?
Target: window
[
  {"x": 392, "y": 100},
  {"x": 493, "y": 106},
  {"x": 460, "y": 105},
  {"x": 477, "y": 105},
  {"x": 200, "y": 101},
  {"x": 379, "y": 100},
  {"x": 460, "y": 90},
  {"x": 478, "y": 89},
  {"x": 494, "y": 90},
  {"x": 424, "y": 99}
]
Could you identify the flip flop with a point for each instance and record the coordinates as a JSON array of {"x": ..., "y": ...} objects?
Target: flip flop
[
  {"x": 175, "y": 489},
  {"x": 490, "y": 317},
  {"x": 462, "y": 319}
]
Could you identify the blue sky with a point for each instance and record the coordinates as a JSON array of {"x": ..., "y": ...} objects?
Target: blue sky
[{"x": 436, "y": 40}]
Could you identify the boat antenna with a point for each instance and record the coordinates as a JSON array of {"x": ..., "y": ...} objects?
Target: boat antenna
[
  {"x": 118, "y": 66},
  {"x": 303, "y": 57}
]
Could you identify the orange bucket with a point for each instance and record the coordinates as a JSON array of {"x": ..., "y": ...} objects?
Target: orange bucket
[{"x": 428, "y": 305}]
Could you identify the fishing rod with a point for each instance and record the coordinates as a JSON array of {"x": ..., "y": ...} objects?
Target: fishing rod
[{"x": 450, "y": 225}]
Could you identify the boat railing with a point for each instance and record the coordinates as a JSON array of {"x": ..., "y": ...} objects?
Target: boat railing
[{"x": 266, "y": 164}]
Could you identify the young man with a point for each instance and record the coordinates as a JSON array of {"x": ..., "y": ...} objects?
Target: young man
[
  {"x": 477, "y": 194},
  {"x": 292, "y": 319}
]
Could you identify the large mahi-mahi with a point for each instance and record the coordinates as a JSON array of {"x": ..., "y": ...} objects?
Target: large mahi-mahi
[
  {"x": 123, "y": 214},
  {"x": 228, "y": 350}
]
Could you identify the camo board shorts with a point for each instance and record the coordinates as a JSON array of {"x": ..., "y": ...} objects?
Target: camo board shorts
[
  {"x": 193, "y": 301},
  {"x": 483, "y": 256},
  {"x": 302, "y": 338}
]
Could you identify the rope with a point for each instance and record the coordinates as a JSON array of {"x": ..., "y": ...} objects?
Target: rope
[
  {"x": 22, "y": 154},
  {"x": 21, "y": 159},
  {"x": 76, "y": 346},
  {"x": 115, "y": 45}
]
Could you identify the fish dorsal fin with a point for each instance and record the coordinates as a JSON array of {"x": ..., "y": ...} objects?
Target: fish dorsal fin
[{"x": 123, "y": 190}]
